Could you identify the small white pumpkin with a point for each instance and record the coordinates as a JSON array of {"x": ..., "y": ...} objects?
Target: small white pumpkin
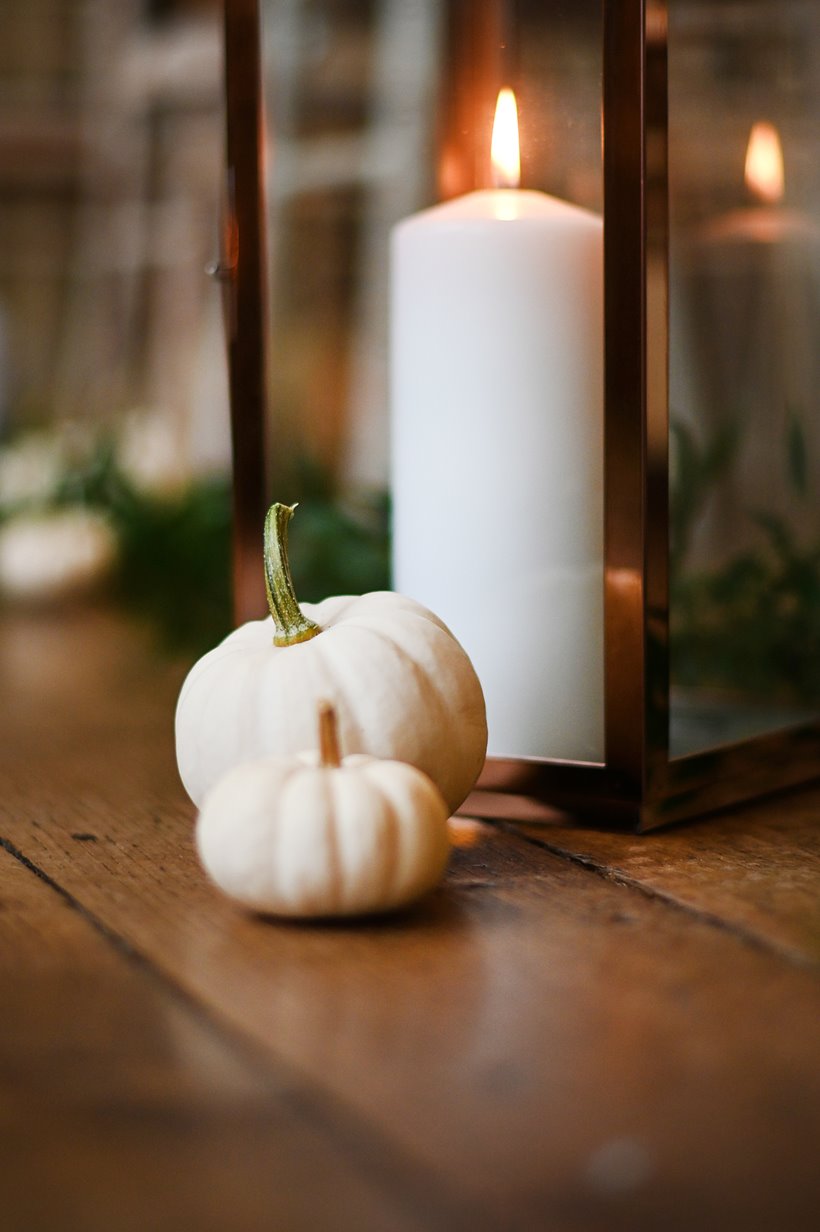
[
  {"x": 404, "y": 686},
  {"x": 292, "y": 837}
]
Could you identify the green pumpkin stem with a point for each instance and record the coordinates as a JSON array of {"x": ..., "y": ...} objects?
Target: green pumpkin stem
[{"x": 289, "y": 620}]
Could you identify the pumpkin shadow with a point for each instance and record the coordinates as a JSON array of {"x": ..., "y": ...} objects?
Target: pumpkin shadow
[{"x": 440, "y": 909}]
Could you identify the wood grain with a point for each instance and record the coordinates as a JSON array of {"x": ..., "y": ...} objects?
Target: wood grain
[
  {"x": 537, "y": 1046},
  {"x": 122, "y": 1108},
  {"x": 756, "y": 870}
]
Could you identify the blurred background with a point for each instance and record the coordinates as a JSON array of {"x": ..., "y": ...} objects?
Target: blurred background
[
  {"x": 110, "y": 164},
  {"x": 114, "y": 443},
  {"x": 114, "y": 449},
  {"x": 114, "y": 440}
]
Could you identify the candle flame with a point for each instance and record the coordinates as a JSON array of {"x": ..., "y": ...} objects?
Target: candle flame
[
  {"x": 764, "y": 163},
  {"x": 504, "y": 152}
]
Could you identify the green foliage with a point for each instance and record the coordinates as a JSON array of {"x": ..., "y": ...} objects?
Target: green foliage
[
  {"x": 796, "y": 454},
  {"x": 174, "y": 548},
  {"x": 174, "y": 566},
  {"x": 335, "y": 547},
  {"x": 699, "y": 468},
  {"x": 175, "y": 554},
  {"x": 753, "y": 623}
]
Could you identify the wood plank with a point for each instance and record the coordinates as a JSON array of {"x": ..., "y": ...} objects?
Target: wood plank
[
  {"x": 120, "y": 1107},
  {"x": 539, "y": 1039},
  {"x": 565, "y": 1050},
  {"x": 756, "y": 869}
]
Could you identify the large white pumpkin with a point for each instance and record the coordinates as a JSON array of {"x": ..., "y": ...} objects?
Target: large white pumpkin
[{"x": 403, "y": 686}]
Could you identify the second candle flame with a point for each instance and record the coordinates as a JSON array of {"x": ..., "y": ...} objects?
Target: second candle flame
[
  {"x": 504, "y": 150},
  {"x": 764, "y": 163}
]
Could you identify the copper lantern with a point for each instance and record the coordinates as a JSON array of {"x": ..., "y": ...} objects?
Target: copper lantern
[{"x": 689, "y": 128}]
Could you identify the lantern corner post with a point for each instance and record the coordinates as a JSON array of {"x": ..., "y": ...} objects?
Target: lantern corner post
[{"x": 244, "y": 264}]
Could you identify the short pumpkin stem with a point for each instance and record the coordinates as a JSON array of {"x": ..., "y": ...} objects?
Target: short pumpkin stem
[
  {"x": 329, "y": 754},
  {"x": 289, "y": 620}
]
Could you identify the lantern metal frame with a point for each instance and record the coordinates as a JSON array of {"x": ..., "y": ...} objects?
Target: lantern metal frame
[{"x": 639, "y": 785}]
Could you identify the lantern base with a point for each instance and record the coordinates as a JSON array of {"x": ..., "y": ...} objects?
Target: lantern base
[{"x": 682, "y": 788}]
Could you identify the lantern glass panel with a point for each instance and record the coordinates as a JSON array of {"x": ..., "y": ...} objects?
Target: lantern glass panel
[
  {"x": 376, "y": 110},
  {"x": 559, "y": 54},
  {"x": 744, "y": 171}
]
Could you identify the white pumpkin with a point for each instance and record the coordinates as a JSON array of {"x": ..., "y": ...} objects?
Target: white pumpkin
[
  {"x": 308, "y": 838},
  {"x": 404, "y": 686},
  {"x": 55, "y": 554}
]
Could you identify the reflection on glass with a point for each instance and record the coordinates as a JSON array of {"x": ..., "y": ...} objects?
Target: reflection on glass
[
  {"x": 744, "y": 368},
  {"x": 351, "y": 92}
]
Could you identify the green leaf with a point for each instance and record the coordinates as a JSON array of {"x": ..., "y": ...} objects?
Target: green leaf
[
  {"x": 796, "y": 455},
  {"x": 778, "y": 532}
]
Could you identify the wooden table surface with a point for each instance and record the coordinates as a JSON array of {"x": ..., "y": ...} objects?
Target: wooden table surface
[{"x": 578, "y": 1031}]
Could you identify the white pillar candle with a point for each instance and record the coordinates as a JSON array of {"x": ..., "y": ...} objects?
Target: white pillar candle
[{"x": 497, "y": 468}]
